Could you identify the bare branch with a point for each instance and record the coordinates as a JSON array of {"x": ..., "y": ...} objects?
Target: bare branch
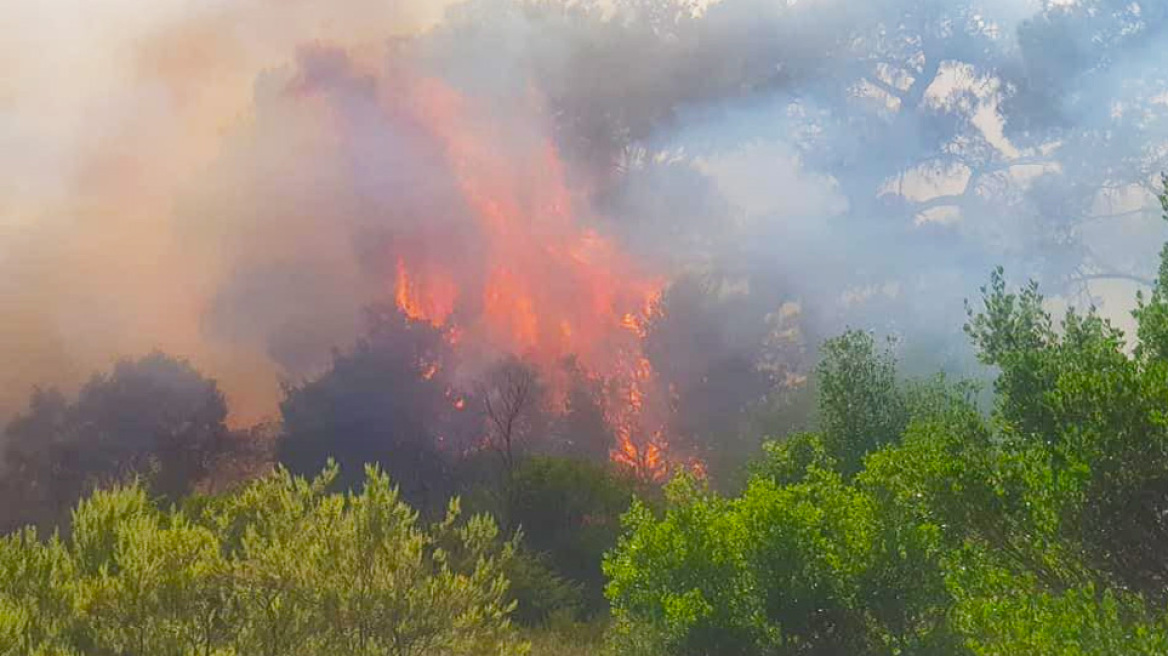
[
  {"x": 510, "y": 399},
  {"x": 948, "y": 200},
  {"x": 1120, "y": 215},
  {"x": 885, "y": 87},
  {"x": 1087, "y": 277}
]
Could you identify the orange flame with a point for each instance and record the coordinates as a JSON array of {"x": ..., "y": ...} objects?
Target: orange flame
[
  {"x": 433, "y": 302},
  {"x": 429, "y": 371},
  {"x": 551, "y": 287}
]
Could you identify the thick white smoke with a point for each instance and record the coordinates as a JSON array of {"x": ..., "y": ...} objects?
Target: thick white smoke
[{"x": 163, "y": 185}]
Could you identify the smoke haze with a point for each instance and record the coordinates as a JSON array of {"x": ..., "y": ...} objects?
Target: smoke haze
[
  {"x": 233, "y": 182},
  {"x": 120, "y": 123}
]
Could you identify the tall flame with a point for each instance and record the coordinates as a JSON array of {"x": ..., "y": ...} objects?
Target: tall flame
[
  {"x": 551, "y": 286},
  {"x": 432, "y": 302}
]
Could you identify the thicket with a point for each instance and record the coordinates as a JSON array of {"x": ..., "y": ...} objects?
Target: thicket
[
  {"x": 279, "y": 567},
  {"x": 156, "y": 417},
  {"x": 913, "y": 519},
  {"x": 912, "y": 522}
]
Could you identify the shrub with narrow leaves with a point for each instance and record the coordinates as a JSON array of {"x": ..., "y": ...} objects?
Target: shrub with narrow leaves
[{"x": 280, "y": 567}]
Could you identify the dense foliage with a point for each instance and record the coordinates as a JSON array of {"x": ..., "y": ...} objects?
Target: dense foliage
[
  {"x": 155, "y": 417},
  {"x": 911, "y": 519},
  {"x": 570, "y": 511},
  {"x": 280, "y": 567},
  {"x": 912, "y": 523},
  {"x": 375, "y": 405}
]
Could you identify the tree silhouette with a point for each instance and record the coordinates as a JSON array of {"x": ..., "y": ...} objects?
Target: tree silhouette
[
  {"x": 156, "y": 417},
  {"x": 387, "y": 401}
]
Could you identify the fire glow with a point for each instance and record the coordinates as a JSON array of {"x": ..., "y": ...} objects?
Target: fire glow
[{"x": 550, "y": 288}]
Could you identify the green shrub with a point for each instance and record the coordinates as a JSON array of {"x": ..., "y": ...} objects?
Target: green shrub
[
  {"x": 569, "y": 512},
  {"x": 279, "y": 567},
  {"x": 914, "y": 524}
]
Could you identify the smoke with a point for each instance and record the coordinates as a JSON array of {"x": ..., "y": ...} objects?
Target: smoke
[
  {"x": 233, "y": 182},
  {"x": 122, "y": 127}
]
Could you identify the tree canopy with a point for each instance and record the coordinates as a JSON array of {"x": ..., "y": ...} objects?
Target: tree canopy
[
  {"x": 155, "y": 417},
  {"x": 911, "y": 522}
]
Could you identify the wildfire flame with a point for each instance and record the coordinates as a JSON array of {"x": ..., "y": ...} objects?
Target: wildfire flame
[
  {"x": 551, "y": 287},
  {"x": 433, "y": 303}
]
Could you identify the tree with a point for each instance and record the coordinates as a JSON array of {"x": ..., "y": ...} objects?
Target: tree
[
  {"x": 808, "y": 568},
  {"x": 39, "y": 477},
  {"x": 1032, "y": 530},
  {"x": 513, "y": 402},
  {"x": 385, "y": 402},
  {"x": 1090, "y": 412},
  {"x": 861, "y": 406},
  {"x": 155, "y": 417},
  {"x": 582, "y": 431},
  {"x": 730, "y": 370}
]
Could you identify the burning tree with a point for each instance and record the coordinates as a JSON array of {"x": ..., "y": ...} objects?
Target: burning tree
[{"x": 545, "y": 288}]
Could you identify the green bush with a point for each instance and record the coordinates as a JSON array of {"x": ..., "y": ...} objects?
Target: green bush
[
  {"x": 802, "y": 568},
  {"x": 913, "y": 523},
  {"x": 279, "y": 567},
  {"x": 540, "y": 592},
  {"x": 569, "y": 512}
]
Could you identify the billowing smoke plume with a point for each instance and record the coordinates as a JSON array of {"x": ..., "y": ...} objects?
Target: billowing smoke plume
[
  {"x": 137, "y": 143},
  {"x": 233, "y": 182}
]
